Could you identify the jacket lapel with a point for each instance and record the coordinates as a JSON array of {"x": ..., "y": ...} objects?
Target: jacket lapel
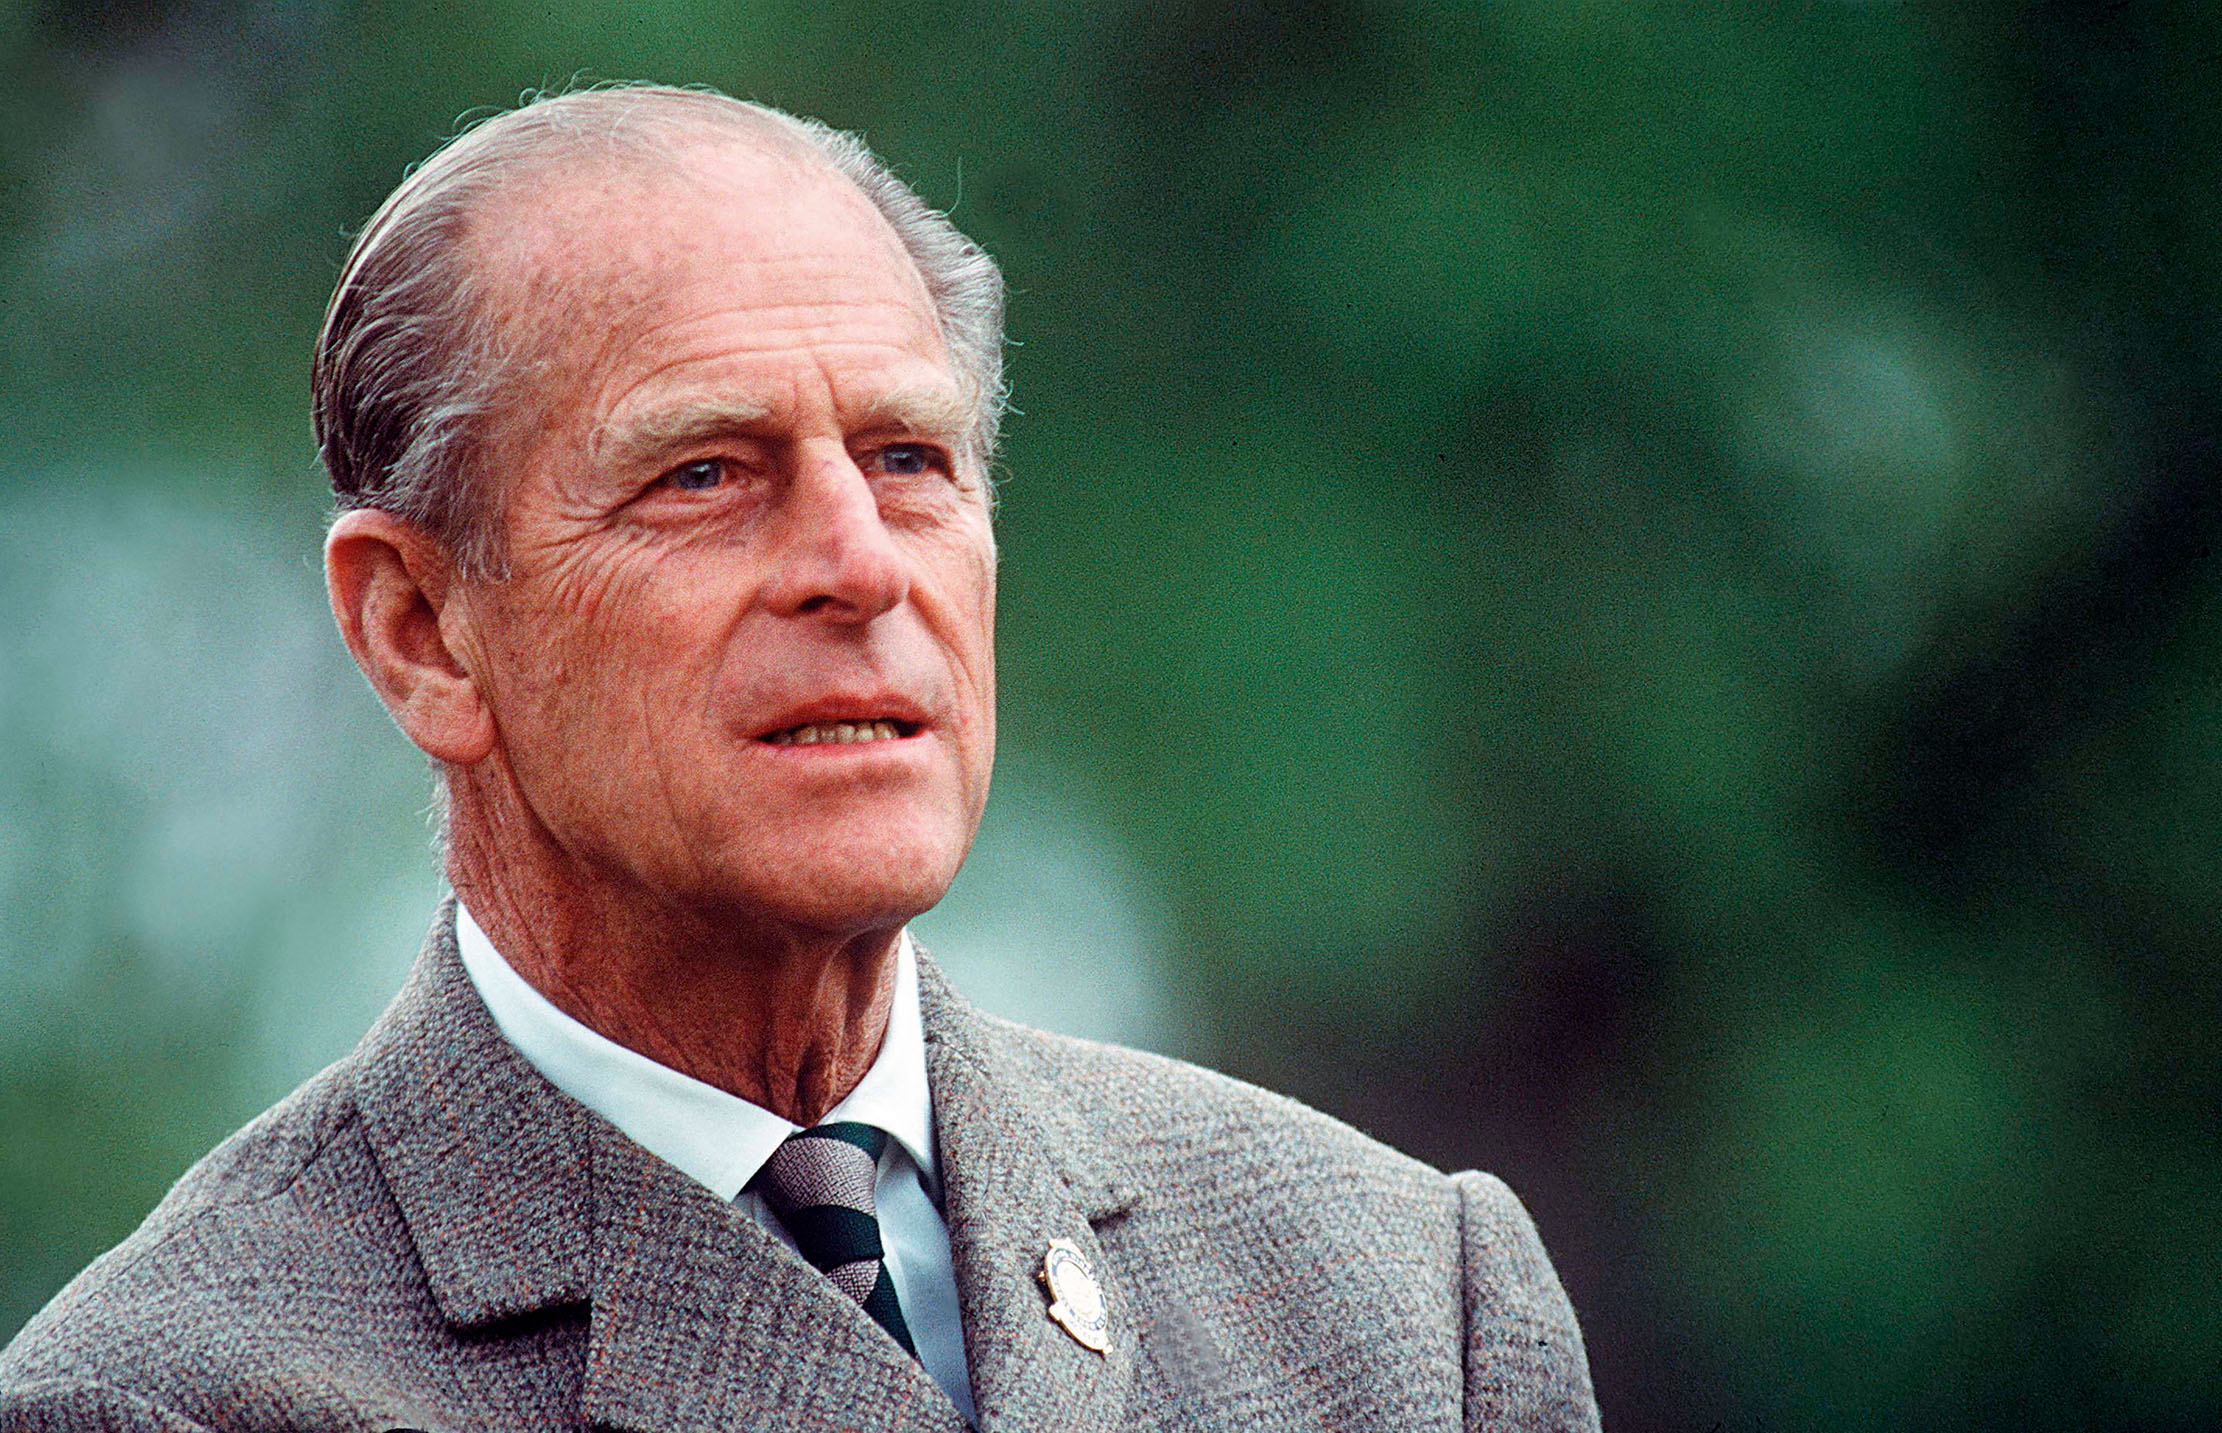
[
  {"x": 487, "y": 1160},
  {"x": 702, "y": 1319},
  {"x": 1020, "y": 1168},
  {"x": 519, "y": 1200}
]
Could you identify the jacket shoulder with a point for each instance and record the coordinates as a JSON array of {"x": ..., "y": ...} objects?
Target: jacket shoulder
[
  {"x": 1289, "y": 1263},
  {"x": 1168, "y": 1112},
  {"x": 1526, "y": 1366},
  {"x": 262, "y": 1160},
  {"x": 1284, "y": 1270},
  {"x": 222, "y": 1275}
]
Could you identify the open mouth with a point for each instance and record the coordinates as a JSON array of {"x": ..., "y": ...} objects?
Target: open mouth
[{"x": 819, "y": 733}]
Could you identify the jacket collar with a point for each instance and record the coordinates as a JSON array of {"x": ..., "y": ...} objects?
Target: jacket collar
[{"x": 518, "y": 1200}]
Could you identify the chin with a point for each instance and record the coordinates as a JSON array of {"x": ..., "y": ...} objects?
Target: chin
[{"x": 850, "y": 889}]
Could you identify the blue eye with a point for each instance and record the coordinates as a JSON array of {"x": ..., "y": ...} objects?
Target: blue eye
[
  {"x": 697, "y": 477},
  {"x": 907, "y": 460}
]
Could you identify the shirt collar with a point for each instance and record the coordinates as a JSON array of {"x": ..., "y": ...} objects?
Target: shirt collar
[{"x": 718, "y": 1139}]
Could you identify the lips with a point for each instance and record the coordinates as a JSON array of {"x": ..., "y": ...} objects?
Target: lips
[
  {"x": 840, "y": 732},
  {"x": 844, "y": 720}
]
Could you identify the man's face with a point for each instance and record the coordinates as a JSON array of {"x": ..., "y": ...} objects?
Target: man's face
[{"x": 742, "y": 660}]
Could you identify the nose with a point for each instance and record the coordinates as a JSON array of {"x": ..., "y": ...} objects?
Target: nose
[{"x": 838, "y": 559}]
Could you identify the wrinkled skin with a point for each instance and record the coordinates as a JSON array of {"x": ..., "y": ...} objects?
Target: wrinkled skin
[{"x": 740, "y": 502}]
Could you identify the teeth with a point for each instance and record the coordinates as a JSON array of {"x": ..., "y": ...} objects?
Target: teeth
[{"x": 812, "y": 733}]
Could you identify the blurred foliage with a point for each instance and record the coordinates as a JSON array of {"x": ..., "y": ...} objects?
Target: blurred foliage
[{"x": 1637, "y": 581}]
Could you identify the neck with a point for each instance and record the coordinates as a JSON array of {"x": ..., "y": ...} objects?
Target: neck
[{"x": 786, "y": 1018}]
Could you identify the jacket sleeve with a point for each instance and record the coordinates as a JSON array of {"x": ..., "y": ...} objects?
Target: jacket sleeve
[
  {"x": 1525, "y": 1368},
  {"x": 72, "y": 1405}
]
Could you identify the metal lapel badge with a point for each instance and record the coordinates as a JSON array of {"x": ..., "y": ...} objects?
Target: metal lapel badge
[{"x": 1075, "y": 1298}]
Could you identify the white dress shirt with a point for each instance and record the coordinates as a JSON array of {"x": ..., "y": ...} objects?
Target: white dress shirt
[{"x": 721, "y": 1140}]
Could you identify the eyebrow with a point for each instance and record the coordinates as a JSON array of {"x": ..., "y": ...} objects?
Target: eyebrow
[
  {"x": 651, "y": 435},
  {"x": 930, "y": 410},
  {"x": 934, "y": 411}
]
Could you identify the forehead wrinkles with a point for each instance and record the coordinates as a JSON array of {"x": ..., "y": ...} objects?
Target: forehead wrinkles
[{"x": 579, "y": 259}]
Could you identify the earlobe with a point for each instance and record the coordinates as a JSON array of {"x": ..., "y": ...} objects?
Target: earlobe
[{"x": 389, "y": 582}]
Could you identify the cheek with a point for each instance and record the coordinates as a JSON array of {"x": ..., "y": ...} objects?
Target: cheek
[
  {"x": 979, "y": 595},
  {"x": 987, "y": 630},
  {"x": 979, "y": 660},
  {"x": 596, "y": 588},
  {"x": 586, "y": 634},
  {"x": 974, "y": 557}
]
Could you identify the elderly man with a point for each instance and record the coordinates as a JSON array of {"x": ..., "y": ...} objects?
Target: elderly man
[{"x": 660, "y": 424}]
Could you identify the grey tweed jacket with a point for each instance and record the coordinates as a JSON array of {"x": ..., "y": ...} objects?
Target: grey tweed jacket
[{"x": 429, "y": 1235}]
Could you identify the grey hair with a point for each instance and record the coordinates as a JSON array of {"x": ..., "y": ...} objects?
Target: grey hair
[{"x": 412, "y": 369}]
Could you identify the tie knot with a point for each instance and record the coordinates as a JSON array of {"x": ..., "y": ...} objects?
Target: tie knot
[{"x": 835, "y": 1164}]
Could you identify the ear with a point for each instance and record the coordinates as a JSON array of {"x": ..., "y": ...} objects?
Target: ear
[{"x": 390, "y": 581}]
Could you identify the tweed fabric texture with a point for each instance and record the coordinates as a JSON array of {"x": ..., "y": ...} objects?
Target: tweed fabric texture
[{"x": 429, "y": 1235}]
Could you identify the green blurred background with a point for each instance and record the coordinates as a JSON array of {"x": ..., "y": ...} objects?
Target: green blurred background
[{"x": 1622, "y": 594}]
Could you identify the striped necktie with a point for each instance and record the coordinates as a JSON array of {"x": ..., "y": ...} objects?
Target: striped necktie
[{"x": 820, "y": 1185}]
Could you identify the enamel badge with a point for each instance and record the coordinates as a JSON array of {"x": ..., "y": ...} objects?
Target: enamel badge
[{"x": 1075, "y": 1298}]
